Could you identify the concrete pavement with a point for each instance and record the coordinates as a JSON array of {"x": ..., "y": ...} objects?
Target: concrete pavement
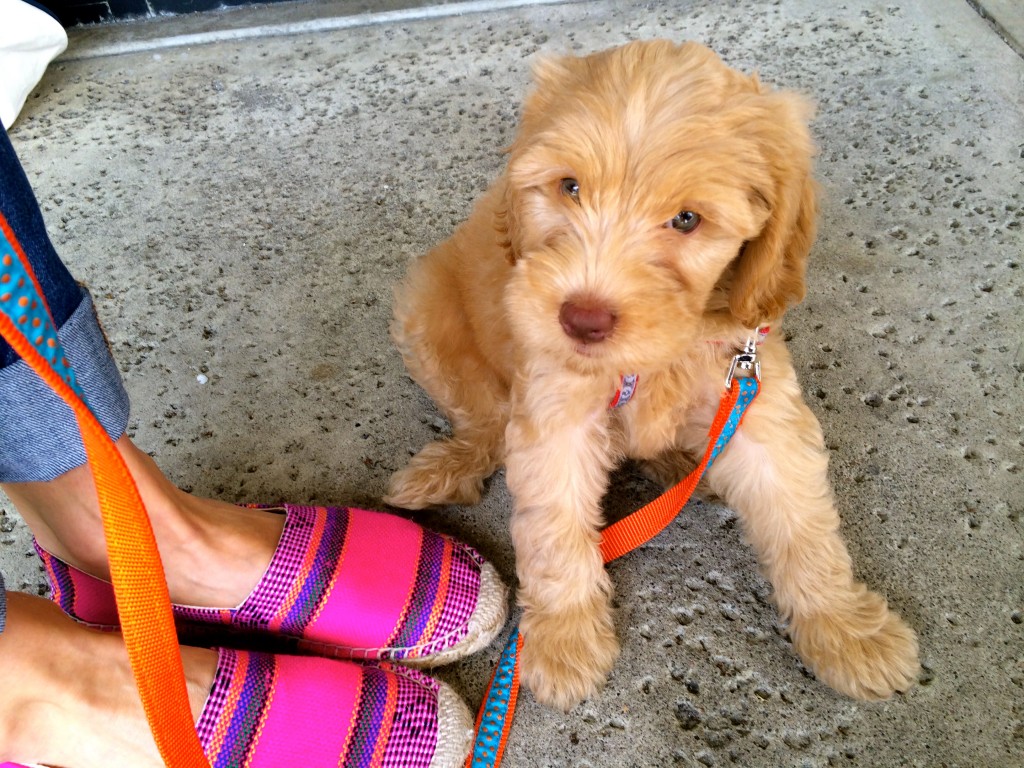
[{"x": 242, "y": 206}]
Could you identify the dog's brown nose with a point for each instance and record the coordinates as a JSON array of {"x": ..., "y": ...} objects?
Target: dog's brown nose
[{"x": 586, "y": 324}]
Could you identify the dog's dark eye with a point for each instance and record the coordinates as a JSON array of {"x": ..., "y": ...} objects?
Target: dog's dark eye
[
  {"x": 685, "y": 221},
  {"x": 570, "y": 188}
]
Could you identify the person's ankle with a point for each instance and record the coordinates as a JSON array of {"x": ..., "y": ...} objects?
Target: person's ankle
[
  {"x": 64, "y": 517},
  {"x": 64, "y": 514},
  {"x": 69, "y": 690},
  {"x": 213, "y": 552},
  {"x": 41, "y": 704}
]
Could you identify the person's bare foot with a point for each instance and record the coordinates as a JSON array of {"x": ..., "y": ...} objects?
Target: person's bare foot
[
  {"x": 213, "y": 553},
  {"x": 69, "y": 699}
]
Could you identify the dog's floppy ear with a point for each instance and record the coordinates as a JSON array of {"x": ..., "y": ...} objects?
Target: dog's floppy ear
[
  {"x": 553, "y": 76},
  {"x": 769, "y": 273},
  {"x": 506, "y": 222}
]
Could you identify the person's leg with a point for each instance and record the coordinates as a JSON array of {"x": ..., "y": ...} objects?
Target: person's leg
[
  {"x": 38, "y": 437},
  {"x": 214, "y": 553},
  {"x": 68, "y": 698},
  {"x": 436, "y": 601}
]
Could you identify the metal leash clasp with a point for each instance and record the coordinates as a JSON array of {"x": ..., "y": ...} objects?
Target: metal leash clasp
[{"x": 745, "y": 364}]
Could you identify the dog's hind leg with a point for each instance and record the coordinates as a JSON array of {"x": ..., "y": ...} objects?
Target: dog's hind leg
[
  {"x": 449, "y": 471},
  {"x": 441, "y": 354}
]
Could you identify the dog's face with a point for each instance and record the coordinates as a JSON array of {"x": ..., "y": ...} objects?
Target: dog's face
[{"x": 647, "y": 186}]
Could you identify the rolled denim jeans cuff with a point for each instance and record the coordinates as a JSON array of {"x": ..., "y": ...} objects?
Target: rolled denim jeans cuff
[{"x": 39, "y": 437}]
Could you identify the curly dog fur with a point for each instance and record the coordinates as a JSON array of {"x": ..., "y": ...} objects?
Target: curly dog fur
[{"x": 656, "y": 206}]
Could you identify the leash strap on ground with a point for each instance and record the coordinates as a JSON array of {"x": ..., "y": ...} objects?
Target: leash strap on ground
[
  {"x": 495, "y": 719},
  {"x": 137, "y": 574},
  {"x": 498, "y": 709},
  {"x": 648, "y": 521}
]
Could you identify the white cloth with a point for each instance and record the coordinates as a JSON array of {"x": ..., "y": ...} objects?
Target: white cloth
[{"x": 29, "y": 40}]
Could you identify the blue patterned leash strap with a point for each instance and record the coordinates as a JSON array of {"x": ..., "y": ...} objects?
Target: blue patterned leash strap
[
  {"x": 498, "y": 709},
  {"x": 643, "y": 525},
  {"x": 22, "y": 302},
  {"x": 144, "y": 605},
  {"x": 495, "y": 719}
]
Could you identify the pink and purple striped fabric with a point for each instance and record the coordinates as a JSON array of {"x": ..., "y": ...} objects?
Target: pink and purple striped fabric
[
  {"x": 344, "y": 582},
  {"x": 269, "y": 711}
]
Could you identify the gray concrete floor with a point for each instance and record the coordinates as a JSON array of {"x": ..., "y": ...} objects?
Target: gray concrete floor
[{"x": 241, "y": 210}]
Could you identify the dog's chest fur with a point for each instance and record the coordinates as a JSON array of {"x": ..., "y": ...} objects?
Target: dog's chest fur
[{"x": 668, "y": 406}]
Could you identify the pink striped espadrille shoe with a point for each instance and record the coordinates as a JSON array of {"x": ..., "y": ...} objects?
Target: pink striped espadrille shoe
[
  {"x": 342, "y": 582},
  {"x": 269, "y": 711}
]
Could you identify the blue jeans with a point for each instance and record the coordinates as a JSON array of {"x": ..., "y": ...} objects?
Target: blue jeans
[{"x": 39, "y": 437}]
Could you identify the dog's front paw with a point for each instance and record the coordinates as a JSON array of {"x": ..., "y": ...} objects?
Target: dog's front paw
[
  {"x": 567, "y": 656},
  {"x": 866, "y": 652},
  {"x": 444, "y": 472}
]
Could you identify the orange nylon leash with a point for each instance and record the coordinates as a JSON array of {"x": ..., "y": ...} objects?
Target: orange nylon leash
[
  {"x": 494, "y": 722},
  {"x": 136, "y": 570},
  {"x": 641, "y": 526}
]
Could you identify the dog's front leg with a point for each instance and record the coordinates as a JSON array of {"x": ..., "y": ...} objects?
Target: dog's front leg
[
  {"x": 559, "y": 457},
  {"x": 774, "y": 473}
]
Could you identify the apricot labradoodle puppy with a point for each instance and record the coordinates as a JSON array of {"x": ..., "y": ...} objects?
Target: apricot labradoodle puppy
[{"x": 657, "y": 207}]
